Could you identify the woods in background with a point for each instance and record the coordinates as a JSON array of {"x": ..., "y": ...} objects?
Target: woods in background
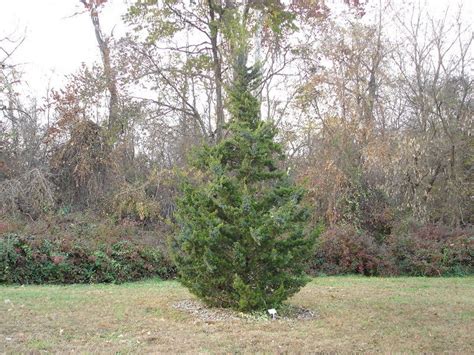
[{"x": 374, "y": 106}]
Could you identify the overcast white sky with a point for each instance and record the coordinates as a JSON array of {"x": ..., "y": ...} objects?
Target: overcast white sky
[
  {"x": 58, "y": 39},
  {"x": 57, "y": 42}
]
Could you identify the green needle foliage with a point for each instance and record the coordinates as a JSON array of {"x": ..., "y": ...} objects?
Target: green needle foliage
[{"x": 242, "y": 240}]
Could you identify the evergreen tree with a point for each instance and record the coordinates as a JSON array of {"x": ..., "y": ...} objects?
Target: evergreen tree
[{"x": 242, "y": 240}]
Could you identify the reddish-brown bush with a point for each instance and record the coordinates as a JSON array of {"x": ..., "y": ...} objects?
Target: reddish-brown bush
[
  {"x": 432, "y": 250},
  {"x": 343, "y": 250}
]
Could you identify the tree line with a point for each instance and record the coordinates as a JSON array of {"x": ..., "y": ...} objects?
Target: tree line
[{"x": 373, "y": 103}]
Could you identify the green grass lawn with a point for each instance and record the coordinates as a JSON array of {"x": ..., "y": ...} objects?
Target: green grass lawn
[{"x": 352, "y": 314}]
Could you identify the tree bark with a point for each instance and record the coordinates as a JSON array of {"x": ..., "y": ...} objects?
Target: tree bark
[
  {"x": 114, "y": 126},
  {"x": 217, "y": 67}
]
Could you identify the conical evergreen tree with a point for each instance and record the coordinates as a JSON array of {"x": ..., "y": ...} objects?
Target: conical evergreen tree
[{"x": 242, "y": 240}]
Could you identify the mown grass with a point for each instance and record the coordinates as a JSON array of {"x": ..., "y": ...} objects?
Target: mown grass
[{"x": 353, "y": 314}]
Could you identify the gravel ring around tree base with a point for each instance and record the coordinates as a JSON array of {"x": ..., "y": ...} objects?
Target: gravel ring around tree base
[{"x": 208, "y": 314}]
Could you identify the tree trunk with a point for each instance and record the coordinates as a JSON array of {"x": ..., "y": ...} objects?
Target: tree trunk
[
  {"x": 217, "y": 67},
  {"x": 114, "y": 125}
]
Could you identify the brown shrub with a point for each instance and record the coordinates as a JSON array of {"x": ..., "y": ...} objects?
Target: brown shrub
[
  {"x": 81, "y": 165},
  {"x": 151, "y": 201},
  {"x": 343, "y": 250},
  {"x": 31, "y": 194},
  {"x": 433, "y": 250}
]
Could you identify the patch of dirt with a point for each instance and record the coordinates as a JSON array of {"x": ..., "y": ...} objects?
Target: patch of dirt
[
  {"x": 208, "y": 314},
  {"x": 298, "y": 313},
  {"x": 205, "y": 313}
]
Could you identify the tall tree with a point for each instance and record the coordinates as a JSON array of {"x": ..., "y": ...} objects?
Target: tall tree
[
  {"x": 242, "y": 242},
  {"x": 114, "y": 124}
]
